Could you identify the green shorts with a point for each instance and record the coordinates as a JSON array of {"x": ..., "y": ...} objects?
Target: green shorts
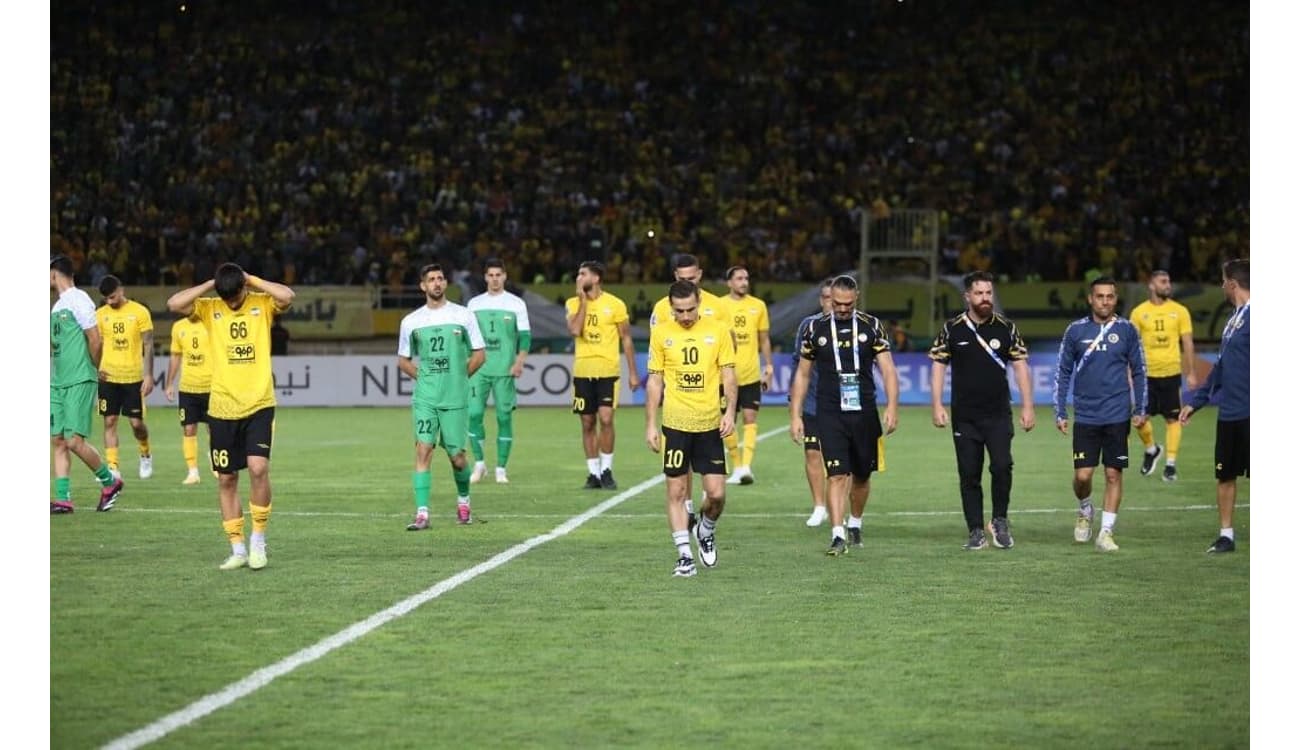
[
  {"x": 72, "y": 409},
  {"x": 500, "y": 387},
  {"x": 446, "y": 427}
]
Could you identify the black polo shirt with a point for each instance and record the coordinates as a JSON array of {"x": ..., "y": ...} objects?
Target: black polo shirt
[
  {"x": 979, "y": 374},
  {"x": 818, "y": 345}
]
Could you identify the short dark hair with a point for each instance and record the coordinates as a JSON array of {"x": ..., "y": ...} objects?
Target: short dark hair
[
  {"x": 228, "y": 281},
  {"x": 826, "y": 283},
  {"x": 682, "y": 290},
  {"x": 595, "y": 267},
  {"x": 844, "y": 281},
  {"x": 493, "y": 263},
  {"x": 732, "y": 271},
  {"x": 1102, "y": 281},
  {"x": 1238, "y": 269},
  {"x": 109, "y": 284},
  {"x": 62, "y": 264},
  {"x": 686, "y": 260},
  {"x": 974, "y": 276},
  {"x": 1159, "y": 272},
  {"x": 429, "y": 268}
]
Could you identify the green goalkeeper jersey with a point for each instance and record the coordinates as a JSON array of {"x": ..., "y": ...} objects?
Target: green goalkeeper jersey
[
  {"x": 442, "y": 339},
  {"x": 501, "y": 319}
]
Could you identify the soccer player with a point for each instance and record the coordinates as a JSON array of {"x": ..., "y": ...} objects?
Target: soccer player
[
  {"x": 690, "y": 358},
  {"x": 598, "y": 322},
  {"x": 842, "y": 346},
  {"x": 503, "y": 321},
  {"x": 192, "y": 361},
  {"x": 1099, "y": 354},
  {"x": 1230, "y": 379},
  {"x": 445, "y": 338},
  {"x": 980, "y": 344},
  {"x": 1166, "y": 330},
  {"x": 125, "y": 380},
  {"x": 241, "y": 406},
  {"x": 812, "y": 448},
  {"x": 687, "y": 268},
  {"x": 75, "y": 349},
  {"x": 748, "y": 316}
]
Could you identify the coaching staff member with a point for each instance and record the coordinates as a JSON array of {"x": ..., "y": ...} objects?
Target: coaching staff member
[{"x": 841, "y": 346}]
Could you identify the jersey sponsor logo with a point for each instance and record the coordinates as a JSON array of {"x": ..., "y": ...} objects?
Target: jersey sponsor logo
[
  {"x": 441, "y": 364},
  {"x": 241, "y": 354},
  {"x": 690, "y": 381}
]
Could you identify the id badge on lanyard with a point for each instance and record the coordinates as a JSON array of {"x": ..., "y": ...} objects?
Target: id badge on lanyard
[
  {"x": 850, "y": 384},
  {"x": 850, "y": 392}
]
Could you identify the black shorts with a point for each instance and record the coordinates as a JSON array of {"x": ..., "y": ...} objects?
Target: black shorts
[
  {"x": 589, "y": 394},
  {"x": 749, "y": 395},
  {"x": 1104, "y": 443},
  {"x": 810, "y": 440},
  {"x": 234, "y": 440},
  {"x": 700, "y": 452},
  {"x": 1232, "y": 449},
  {"x": 850, "y": 442},
  {"x": 121, "y": 398},
  {"x": 192, "y": 407},
  {"x": 1165, "y": 396}
]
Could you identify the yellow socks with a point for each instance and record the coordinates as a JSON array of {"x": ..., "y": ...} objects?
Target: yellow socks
[
  {"x": 190, "y": 447},
  {"x": 260, "y": 515},
  {"x": 751, "y": 442},
  {"x": 110, "y": 456},
  {"x": 1173, "y": 436},
  {"x": 144, "y": 448},
  {"x": 1148, "y": 435},
  {"x": 733, "y": 448},
  {"x": 234, "y": 530}
]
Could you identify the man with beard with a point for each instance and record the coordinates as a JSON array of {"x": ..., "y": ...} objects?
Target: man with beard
[
  {"x": 980, "y": 344},
  {"x": 445, "y": 338},
  {"x": 126, "y": 370},
  {"x": 842, "y": 346},
  {"x": 1166, "y": 330},
  {"x": 598, "y": 322},
  {"x": 748, "y": 316}
]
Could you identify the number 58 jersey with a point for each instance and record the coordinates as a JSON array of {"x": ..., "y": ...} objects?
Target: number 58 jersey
[
  {"x": 240, "y": 350},
  {"x": 691, "y": 362}
]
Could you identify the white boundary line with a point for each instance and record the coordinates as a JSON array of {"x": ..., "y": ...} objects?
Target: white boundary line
[{"x": 263, "y": 677}]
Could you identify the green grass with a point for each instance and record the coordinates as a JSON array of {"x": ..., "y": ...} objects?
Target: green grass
[{"x": 589, "y": 641}]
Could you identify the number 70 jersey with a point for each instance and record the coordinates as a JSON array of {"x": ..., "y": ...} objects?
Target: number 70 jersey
[{"x": 691, "y": 362}]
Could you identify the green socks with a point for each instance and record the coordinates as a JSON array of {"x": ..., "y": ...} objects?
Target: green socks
[{"x": 421, "y": 481}]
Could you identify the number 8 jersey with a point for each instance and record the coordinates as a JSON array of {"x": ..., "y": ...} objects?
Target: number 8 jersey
[
  {"x": 240, "y": 350},
  {"x": 691, "y": 362}
]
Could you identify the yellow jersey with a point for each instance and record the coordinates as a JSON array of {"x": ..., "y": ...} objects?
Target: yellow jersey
[
  {"x": 691, "y": 361},
  {"x": 240, "y": 345},
  {"x": 748, "y": 316},
  {"x": 122, "y": 331},
  {"x": 190, "y": 341},
  {"x": 1161, "y": 328},
  {"x": 595, "y": 352}
]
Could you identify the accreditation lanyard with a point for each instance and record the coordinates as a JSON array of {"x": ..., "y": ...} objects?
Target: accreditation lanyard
[
  {"x": 1234, "y": 323},
  {"x": 1093, "y": 346},
  {"x": 850, "y": 385},
  {"x": 987, "y": 349}
]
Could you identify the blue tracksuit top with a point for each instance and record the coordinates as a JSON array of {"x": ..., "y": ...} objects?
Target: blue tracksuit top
[
  {"x": 1100, "y": 370},
  {"x": 1230, "y": 377},
  {"x": 810, "y": 400}
]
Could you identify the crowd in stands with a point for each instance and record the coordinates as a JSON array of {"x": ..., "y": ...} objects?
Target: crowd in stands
[{"x": 349, "y": 142}]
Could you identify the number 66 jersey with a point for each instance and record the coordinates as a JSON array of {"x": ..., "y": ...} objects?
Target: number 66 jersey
[{"x": 240, "y": 349}]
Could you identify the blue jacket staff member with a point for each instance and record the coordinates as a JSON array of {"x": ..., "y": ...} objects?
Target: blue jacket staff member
[
  {"x": 1101, "y": 355},
  {"x": 1230, "y": 379}
]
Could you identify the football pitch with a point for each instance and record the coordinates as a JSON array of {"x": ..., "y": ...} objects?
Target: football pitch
[{"x": 553, "y": 620}]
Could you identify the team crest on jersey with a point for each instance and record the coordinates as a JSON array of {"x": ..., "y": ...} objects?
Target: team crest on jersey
[
  {"x": 1113, "y": 338},
  {"x": 216, "y": 316},
  {"x": 455, "y": 331},
  {"x": 821, "y": 341},
  {"x": 862, "y": 337},
  {"x": 708, "y": 340},
  {"x": 255, "y": 311},
  {"x": 507, "y": 317},
  {"x": 668, "y": 342},
  {"x": 995, "y": 344}
]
